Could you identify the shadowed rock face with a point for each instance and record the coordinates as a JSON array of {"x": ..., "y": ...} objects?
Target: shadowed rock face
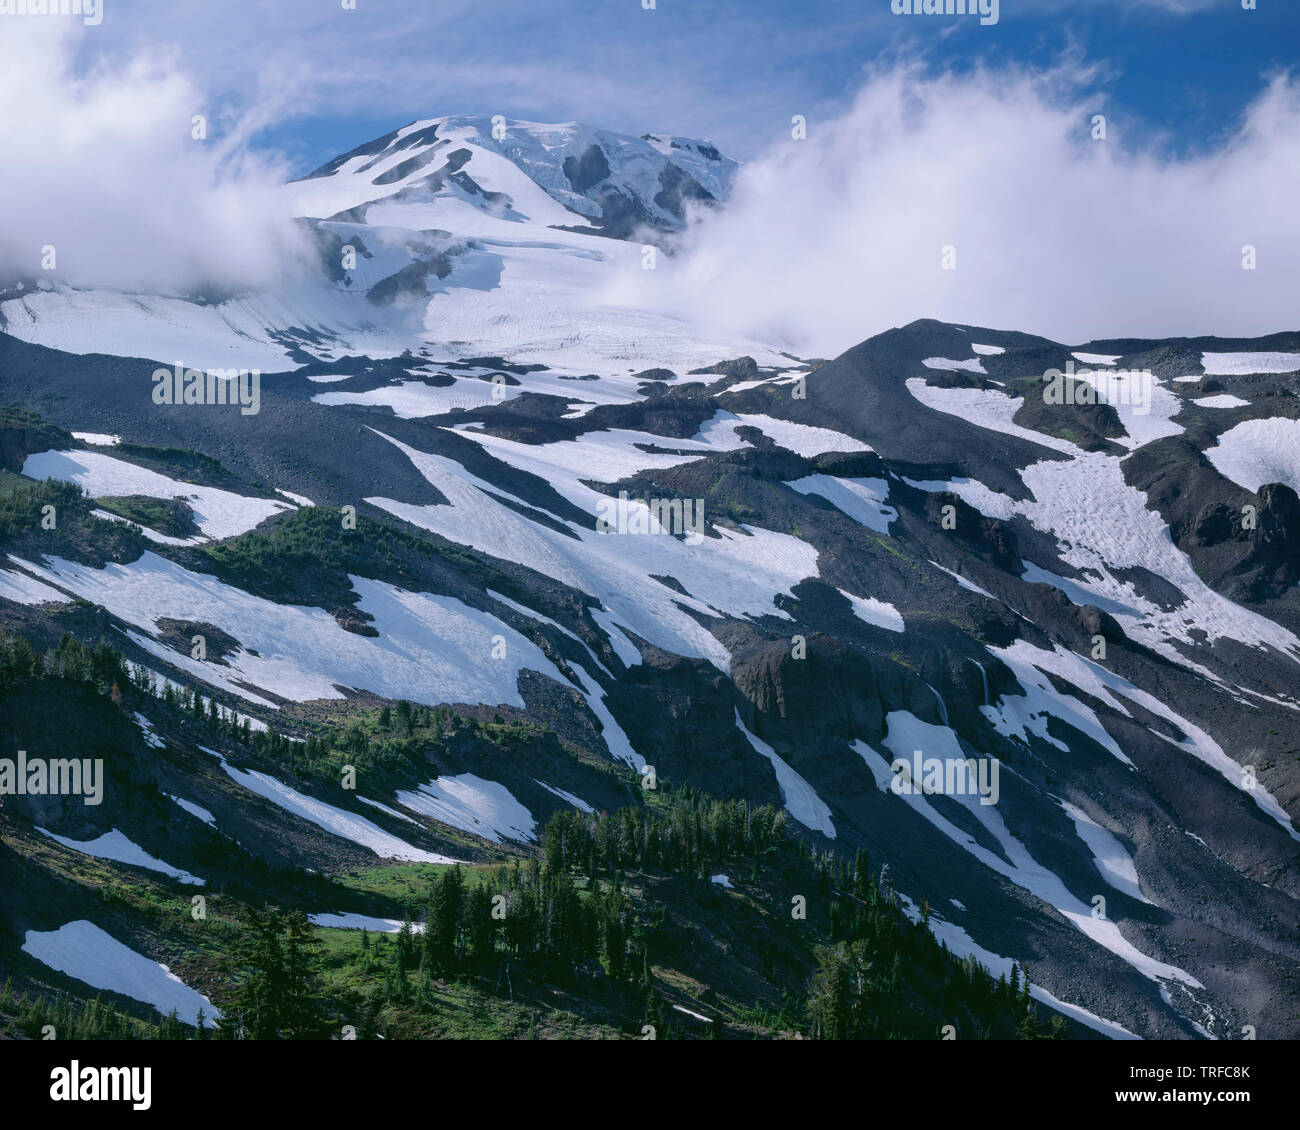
[
  {"x": 588, "y": 170},
  {"x": 677, "y": 188}
]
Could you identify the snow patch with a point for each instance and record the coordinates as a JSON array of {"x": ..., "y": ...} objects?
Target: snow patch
[
  {"x": 878, "y": 613},
  {"x": 800, "y": 798},
  {"x": 863, "y": 500},
  {"x": 86, "y": 953},
  {"x": 1256, "y": 452},
  {"x": 1248, "y": 364},
  {"x": 472, "y": 804},
  {"x": 115, "y": 847},
  {"x": 1226, "y": 400}
]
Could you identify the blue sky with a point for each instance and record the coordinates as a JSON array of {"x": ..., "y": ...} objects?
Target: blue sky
[{"x": 321, "y": 78}]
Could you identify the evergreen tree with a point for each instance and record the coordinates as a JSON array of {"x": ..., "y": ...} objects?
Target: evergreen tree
[{"x": 277, "y": 999}]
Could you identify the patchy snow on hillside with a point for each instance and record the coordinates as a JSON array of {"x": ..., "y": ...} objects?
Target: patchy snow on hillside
[
  {"x": 22, "y": 589},
  {"x": 616, "y": 739},
  {"x": 983, "y": 407},
  {"x": 431, "y": 649},
  {"x": 961, "y": 944},
  {"x": 863, "y": 500},
  {"x": 1103, "y": 524},
  {"x": 151, "y": 738},
  {"x": 218, "y": 513},
  {"x": 1224, "y": 401},
  {"x": 195, "y": 810},
  {"x": 472, "y": 804},
  {"x": 1015, "y": 862},
  {"x": 800, "y": 798},
  {"x": 735, "y": 573},
  {"x": 878, "y": 613},
  {"x": 85, "y": 952},
  {"x": 1113, "y": 863},
  {"x": 803, "y": 439},
  {"x": 567, "y": 797},
  {"x": 337, "y": 821},
  {"x": 968, "y": 585},
  {"x": 1030, "y": 662},
  {"x": 1248, "y": 364},
  {"x": 1256, "y": 452},
  {"x": 1019, "y": 716},
  {"x": 115, "y": 847}
]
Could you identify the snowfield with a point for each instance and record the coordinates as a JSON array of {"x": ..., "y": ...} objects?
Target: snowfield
[
  {"x": 1114, "y": 864},
  {"x": 22, "y": 589},
  {"x": 351, "y": 921},
  {"x": 1224, "y": 401},
  {"x": 85, "y": 952},
  {"x": 737, "y": 574},
  {"x": 863, "y": 500},
  {"x": 567, "y": 797},
  {"x": 1144, "y": 406},
  {"x": 116, "y": 847},
  {"x": 472, "y": 804},
  {"x": 431, "y": 649},
  {"x": 337, "y": 821},
  {"x": 800, "y": 798},
  {"x": 974, "y": 365},
  {"x": 195, "y": 810},
  {"x": 878, "y": 613},
  {"x": 1247, "y": 364},
  {"x": 1256, "y": 452},
  {"x": 218, "y": 513},
  {"x": 1015, "y": 862}
]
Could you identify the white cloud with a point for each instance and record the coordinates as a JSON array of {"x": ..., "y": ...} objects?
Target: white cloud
[
  {"x": 839, "y": 236},
  {"x": 100, "y": 164}
]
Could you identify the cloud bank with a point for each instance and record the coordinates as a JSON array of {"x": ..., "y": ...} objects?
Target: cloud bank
[
  {"x": 101, "y": 165},
  {"x": 833, "y": 238}
]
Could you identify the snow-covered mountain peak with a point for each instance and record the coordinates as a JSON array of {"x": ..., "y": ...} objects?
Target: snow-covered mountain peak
[{"x": 611, "y": 182}]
